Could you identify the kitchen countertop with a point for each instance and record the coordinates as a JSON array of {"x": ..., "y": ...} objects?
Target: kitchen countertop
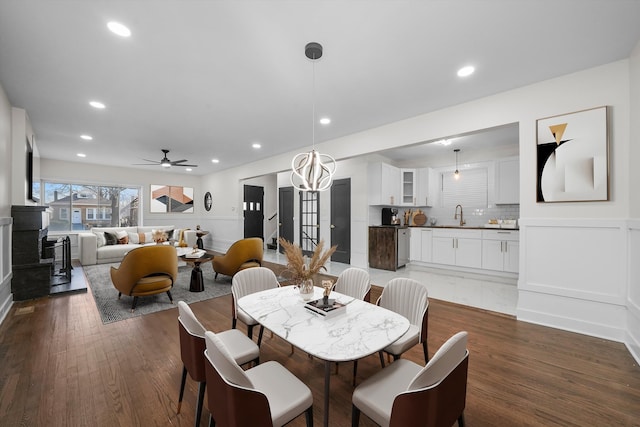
[{"x": 466, "y": 227}]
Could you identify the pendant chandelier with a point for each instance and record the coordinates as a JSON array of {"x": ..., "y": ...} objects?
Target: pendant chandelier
[
  {"x": 456, "y": 174},
  {"x": 312, "y": 171}
]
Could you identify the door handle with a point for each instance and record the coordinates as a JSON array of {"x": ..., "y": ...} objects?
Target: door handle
[
  {"x": 333, "y": 226},
  {"x": 279, "y": 224}
]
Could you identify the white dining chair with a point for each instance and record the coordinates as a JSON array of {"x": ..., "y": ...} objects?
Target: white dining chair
[
  {"x": 354, "y": 282},
  {"x": 246, "y": 282},
  {"x": 409, "y": 298},
  {"x": 267, "y": 394},
  {"x": 405, "y": 394}
]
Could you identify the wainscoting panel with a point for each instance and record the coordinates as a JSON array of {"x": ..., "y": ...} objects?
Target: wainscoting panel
[
  {"x": 574, "y": 275},
  {"x": 633, "y": 302},
  {"x": 6, "y": 298}
]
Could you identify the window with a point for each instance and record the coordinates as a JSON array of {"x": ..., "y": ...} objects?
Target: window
[
  {"x": 81, "y": 207},
  {"x": 309, "y": 221},
  {"x": 471, "y": 189}
]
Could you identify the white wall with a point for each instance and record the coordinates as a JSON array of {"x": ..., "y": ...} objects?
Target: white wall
[
  {"x": 21, "y": 131},
  {"x": 556, "y": 288},
  {"x": 6, "y": 298},
  {"x": 633, "y": 298}
]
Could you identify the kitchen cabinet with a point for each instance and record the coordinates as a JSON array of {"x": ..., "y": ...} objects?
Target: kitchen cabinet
[
  {"x": 388, "y": 247},
  {"x": 384, "y": 184},
  {"x": 507, "y": 181},
  {"x": 426, "y": 187},
  {"x": 421, "y": 244},
  {"x": 408, "y": 187},
  {"x": 461, "y": 248},
  {"x": 500, "y": 250}
]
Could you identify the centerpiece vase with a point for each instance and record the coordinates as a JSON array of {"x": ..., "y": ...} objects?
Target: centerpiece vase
[{"x": 306, "y": 289}]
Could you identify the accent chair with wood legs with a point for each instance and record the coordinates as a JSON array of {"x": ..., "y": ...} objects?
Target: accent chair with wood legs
[{"x": 147, "y": 270}]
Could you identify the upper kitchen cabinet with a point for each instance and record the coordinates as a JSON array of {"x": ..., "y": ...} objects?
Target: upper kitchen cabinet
[
  {"x": 384, "y": 184},
  {"x": 508, "y": 181},
  {"x": 408, "y": 186},
  {"x": 426, "y": 187}
]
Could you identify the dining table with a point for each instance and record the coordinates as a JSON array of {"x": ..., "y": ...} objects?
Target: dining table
[{"x": 359, "y": 330}]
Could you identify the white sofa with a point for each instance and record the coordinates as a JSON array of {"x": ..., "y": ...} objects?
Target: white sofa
[{"x": 92, "y": 247}]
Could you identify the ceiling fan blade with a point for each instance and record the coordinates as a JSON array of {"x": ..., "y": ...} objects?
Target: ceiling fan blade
[
  {"x": 145, "y": 164},
  {"x": 152, "y": 161},
  {"x": 179, "y": 161},
  {"x": 190, "y": 166}
]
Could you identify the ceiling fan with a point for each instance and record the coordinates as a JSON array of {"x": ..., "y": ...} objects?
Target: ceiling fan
[{"x": 165, "y": 162}]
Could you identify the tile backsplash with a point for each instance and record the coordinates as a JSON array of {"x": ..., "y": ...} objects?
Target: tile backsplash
[
  {"x": 472, "y": 216},
  {"x": 444, "y": 216}
]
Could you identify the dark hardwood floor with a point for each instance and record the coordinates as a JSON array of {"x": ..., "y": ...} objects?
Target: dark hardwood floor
[{"x": 60, "y": 366}]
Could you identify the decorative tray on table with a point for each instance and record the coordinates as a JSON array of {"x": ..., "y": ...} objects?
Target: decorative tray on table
[
  {"x": 332, "y": 307},
  {"x": 196, "y": 253}
]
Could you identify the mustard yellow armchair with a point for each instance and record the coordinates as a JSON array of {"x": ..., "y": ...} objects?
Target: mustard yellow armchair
[
  {"x": 147, "y": 270},
  {"x": 242, "y": 254}
]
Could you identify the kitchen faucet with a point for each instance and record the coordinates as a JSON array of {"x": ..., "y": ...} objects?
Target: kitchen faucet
[{"x": 455, "y": 216}]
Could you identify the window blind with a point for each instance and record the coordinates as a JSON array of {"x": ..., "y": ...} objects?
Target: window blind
[{"x": 469, "y": 190}]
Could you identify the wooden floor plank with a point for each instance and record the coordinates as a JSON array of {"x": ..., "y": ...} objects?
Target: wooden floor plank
[{"x": 61, "y": 366}]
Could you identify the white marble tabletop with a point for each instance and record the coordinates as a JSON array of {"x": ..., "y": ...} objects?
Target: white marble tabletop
[{"x": 361, "y": 330}]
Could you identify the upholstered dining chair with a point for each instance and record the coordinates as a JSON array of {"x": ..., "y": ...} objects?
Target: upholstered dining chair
[
  {"x": 147, "y": 270},
  {"x": 405, "y": 394},
  {"x": 409, "y": 298},
  {"x": 246, "y": 282},
  {"x": 354, "y": 282},
  {"x": 265, "y": 395},
  {"x": 243, "y": 254},
  {"x": 192, "y": 346}
]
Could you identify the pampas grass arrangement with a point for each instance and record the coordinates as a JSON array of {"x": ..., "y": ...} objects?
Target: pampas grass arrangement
[{"x": 302, "y": 267}]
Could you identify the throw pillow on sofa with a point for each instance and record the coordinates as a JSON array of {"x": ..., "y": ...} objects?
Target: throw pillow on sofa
[
  {"x": 123, "y": 237},
  {"x": 100, "y": 239},
  {"x": 111, "y": 238}
]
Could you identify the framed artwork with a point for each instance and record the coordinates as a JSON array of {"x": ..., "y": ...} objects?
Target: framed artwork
[
  {"x": 573, "y": 157},
  {"x": 171, "y": 199}
]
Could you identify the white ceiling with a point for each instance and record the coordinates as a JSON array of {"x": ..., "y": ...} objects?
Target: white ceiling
[{"x": 207, "y": 79}]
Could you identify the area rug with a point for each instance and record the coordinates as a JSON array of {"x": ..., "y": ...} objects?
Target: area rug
[{"x": 113, "y": 309}]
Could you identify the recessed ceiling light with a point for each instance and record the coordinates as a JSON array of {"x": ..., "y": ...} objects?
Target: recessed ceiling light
[
  {"x": 466, "y": 71},
  {"x": 81, "y": 155},
  {"x": 97, "y": 104},
  {"x": 444, "y": 142},
  {"x": 119, "y": 29},
  {"x": 256, "y": 145},
  {"x": 188, "y": 169},
  {"x": 325, "y": 121},
  {"x": 86, "y": 137},
  {"x": 215, "y": 161}
]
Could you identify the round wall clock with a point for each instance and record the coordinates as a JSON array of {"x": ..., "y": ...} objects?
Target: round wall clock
[{"x": 207, "y": 201}]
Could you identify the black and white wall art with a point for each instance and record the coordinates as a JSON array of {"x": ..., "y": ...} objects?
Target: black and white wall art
[{"x": 573, "y": 157}]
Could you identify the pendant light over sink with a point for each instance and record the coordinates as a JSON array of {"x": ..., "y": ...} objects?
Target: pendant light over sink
[
  {"x": 312, "y": 171},
  {"x": 456, "y": 174}
]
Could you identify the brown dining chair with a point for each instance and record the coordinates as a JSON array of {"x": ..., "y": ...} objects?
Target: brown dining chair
[
  {"x": 405, "y": 394},
  {"x": 265, "y": 395},
  {"x": 192, "y": 346}
]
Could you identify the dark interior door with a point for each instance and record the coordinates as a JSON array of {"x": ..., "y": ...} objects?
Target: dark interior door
[
  {"x": 285, "y": 214},
  {"x": 341, "y": 220},
  {"x": 253, "y": 211}
]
